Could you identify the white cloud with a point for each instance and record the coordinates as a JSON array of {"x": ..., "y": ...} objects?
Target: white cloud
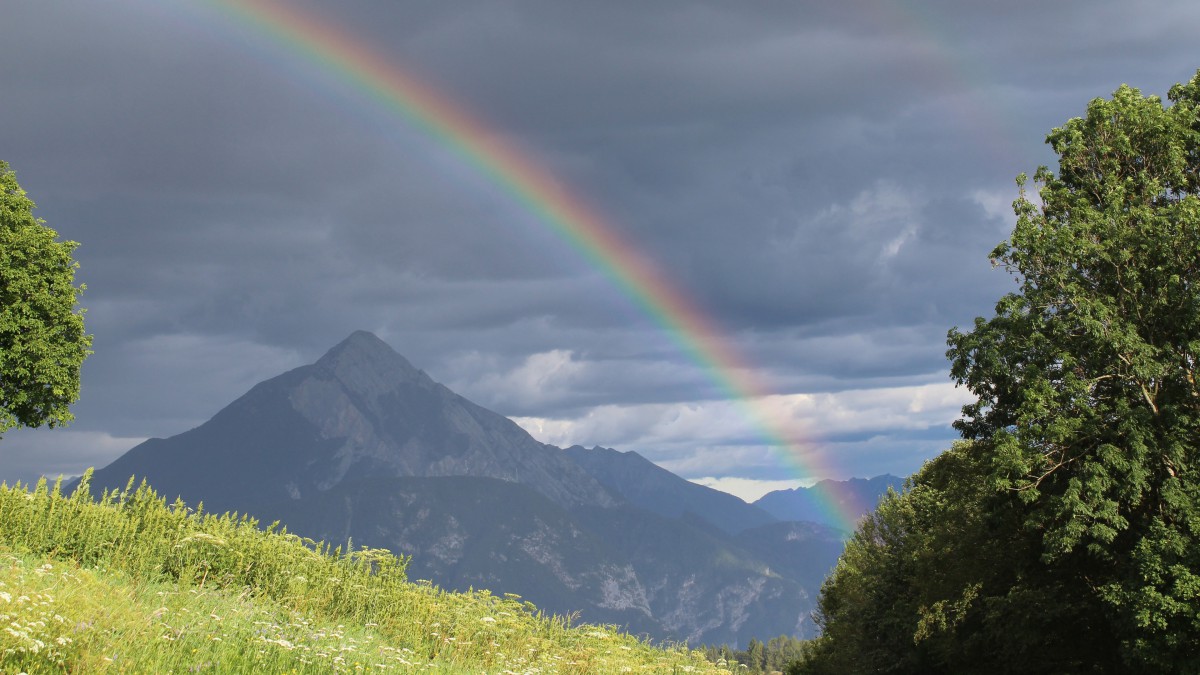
[
  {"x": 881, "y": 218},
  {"x": 721, "y": 461},
  {"x": 539, "y": 380},
  {"x": 749, "y": 489},
  {"x": 998, "y": 206},
  {"x": 26, "y": 454},
  {"x": 667, "y": 433},
  {"x": 893, "y": 247}
]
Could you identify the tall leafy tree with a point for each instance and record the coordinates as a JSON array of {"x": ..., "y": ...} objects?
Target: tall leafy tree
[
  {"x": 944, "y": 579},
  {"x": 1086, "y": 377},
  {"x": 1064, "y": 535},
  {"x": 42, "y": 339}
]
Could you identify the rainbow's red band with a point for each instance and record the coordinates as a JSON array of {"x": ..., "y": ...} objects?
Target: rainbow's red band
[{"x": 335, "y": 54}]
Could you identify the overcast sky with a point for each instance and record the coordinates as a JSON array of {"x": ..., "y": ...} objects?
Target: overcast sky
[{"x": 824, "y": 180}]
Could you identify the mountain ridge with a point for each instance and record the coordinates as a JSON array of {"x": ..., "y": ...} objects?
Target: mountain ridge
[
  {"x": 360, "y": 410},
  {"x": 857, "y": 496},
  {"x": 362, "y": 445},
  {"x": 652, "y": 487}
]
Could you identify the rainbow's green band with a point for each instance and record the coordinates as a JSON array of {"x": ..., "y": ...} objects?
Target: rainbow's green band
[{"x": 336, "y": 54}]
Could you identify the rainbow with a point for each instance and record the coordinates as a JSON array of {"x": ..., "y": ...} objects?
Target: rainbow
[{"x": 338, "y": 55}]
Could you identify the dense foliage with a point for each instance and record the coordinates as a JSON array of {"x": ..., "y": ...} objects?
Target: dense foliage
[
  {"x": 775, "y": 655},
  {"x": 1063, "y": 534},
  {"x": 42, "y": 342}
]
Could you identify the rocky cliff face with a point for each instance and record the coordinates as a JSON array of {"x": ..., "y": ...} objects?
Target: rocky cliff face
[{"x": 361, "y": 445}]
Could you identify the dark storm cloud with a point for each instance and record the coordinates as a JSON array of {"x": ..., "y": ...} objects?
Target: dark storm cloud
[{"x": 825, "y": 181}]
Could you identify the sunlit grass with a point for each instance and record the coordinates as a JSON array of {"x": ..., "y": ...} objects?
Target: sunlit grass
[{"x": 132, "y": 584}]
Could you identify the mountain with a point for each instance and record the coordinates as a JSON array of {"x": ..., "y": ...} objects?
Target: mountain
[
  {"x": 857, "y": 496},
  {"x": 655, "y": 489},
  {"x": 804, "y": 552},
  {"x": 621, "y": 565},
  {"x": 469, "y": 532},
  {"x": 363, "y": 446},
  {"x": 360, "y": 411}
]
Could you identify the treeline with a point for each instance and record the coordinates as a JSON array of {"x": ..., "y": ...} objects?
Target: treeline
[
  {"x": 778, "y": 655},
  {"x": 1062, "y": 535}
]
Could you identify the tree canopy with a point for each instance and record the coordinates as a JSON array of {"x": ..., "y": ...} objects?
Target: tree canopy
[
  {"x": 1063, "y": 533},
  {"x": 42, "y": 339}
]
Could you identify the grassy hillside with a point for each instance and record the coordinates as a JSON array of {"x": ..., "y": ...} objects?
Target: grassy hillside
[{"x": 131, "y": 584}]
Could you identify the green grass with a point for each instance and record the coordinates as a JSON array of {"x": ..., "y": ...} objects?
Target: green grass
[{"x": 131, "y": 584}]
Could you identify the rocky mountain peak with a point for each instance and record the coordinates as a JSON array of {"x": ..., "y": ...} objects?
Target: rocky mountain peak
[
  {"x": 367, "y": 366},
  {"x": 361, "y": 445},
  {"x": 362, "y": 410}
]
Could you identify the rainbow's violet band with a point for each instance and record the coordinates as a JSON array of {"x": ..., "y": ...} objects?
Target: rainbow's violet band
[{"x": 333, "y": 54}]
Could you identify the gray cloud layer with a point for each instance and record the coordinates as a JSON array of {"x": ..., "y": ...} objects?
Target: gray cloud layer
[{"x": 826, "y": 182}]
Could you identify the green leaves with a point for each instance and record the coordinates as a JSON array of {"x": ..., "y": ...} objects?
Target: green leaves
[
  {"x": 1086, "y": 377},
  {"x": 42, "y": 340},
  {"x": 1076, "y": 545}
]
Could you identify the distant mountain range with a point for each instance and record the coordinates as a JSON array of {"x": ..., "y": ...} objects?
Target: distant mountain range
[
  {"x": 857, "y": 496},
  {"x": 361, "y": 445}
]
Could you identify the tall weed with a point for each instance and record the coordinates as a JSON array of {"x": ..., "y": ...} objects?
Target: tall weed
[{"x": 268, "y": 591}]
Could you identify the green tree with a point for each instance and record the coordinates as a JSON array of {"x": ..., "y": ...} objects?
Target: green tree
[
  {"x": 727, "y": 655},
  {"x": 944, "y": 579},
  {"x": 1086, "y": 378},
  {"x": 42, "y": 339},
  {"x": 1064, "y": 535},
  {"x": 755, "y": 658},
  {"x": 782, "y": 651}
]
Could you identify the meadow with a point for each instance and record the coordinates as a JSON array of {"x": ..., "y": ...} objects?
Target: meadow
[{"x": 129, "y": 583}]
